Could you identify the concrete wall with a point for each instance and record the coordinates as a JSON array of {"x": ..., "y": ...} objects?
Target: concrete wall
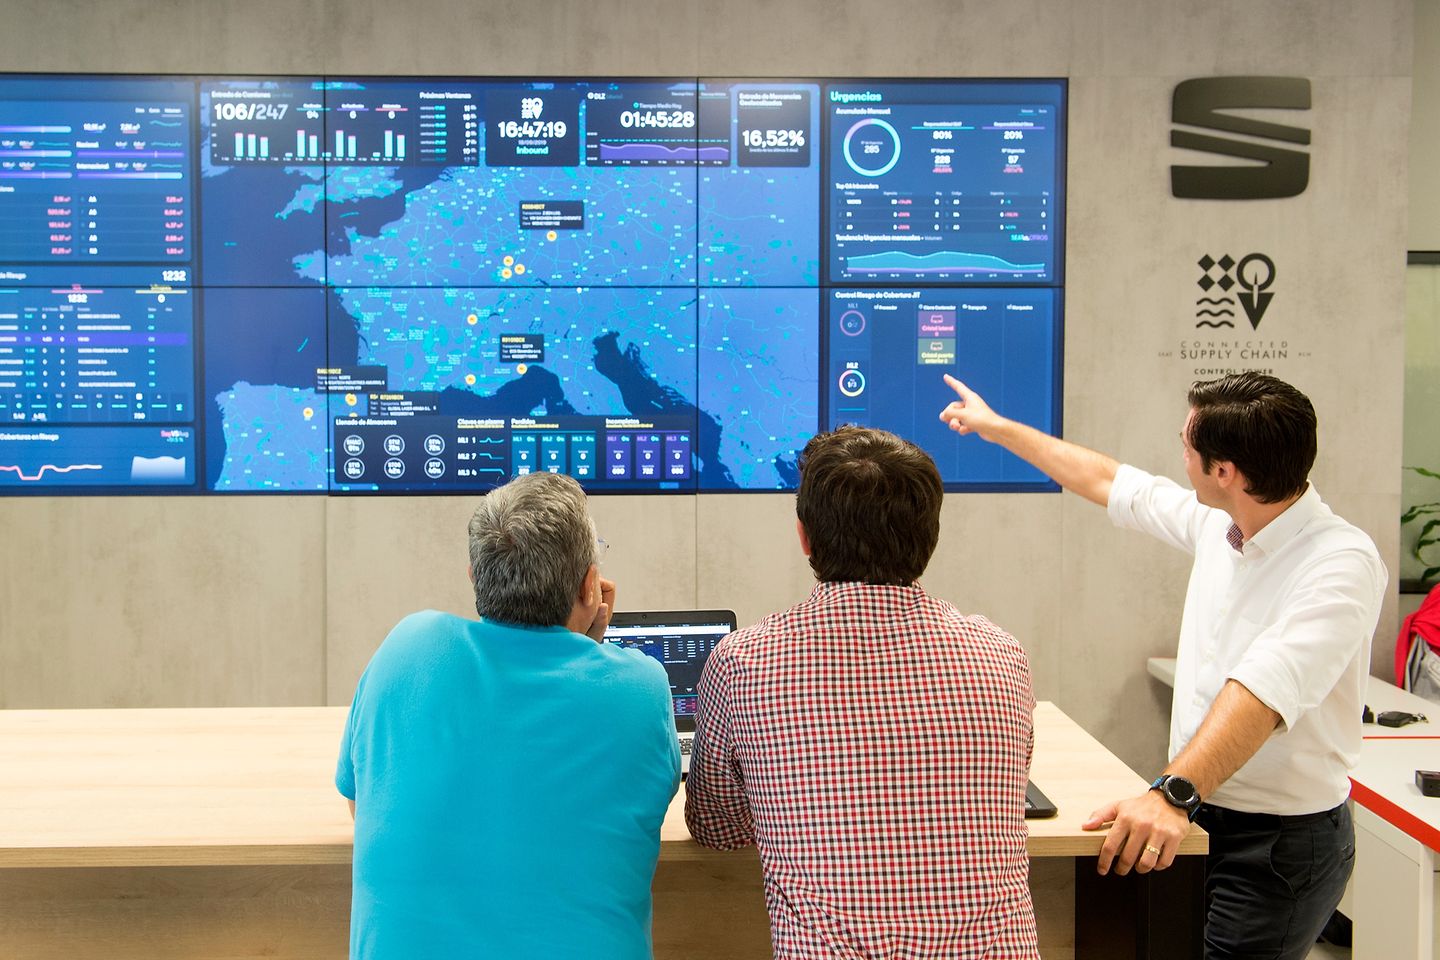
[
  {"x": 1425, "y": 130},
  {"x": 280, "y": 600}
]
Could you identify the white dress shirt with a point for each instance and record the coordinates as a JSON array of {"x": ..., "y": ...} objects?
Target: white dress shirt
[{"x": 1290, "y": 614}]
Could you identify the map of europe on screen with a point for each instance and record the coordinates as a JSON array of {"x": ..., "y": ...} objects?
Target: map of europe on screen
[{"x": 254, "y": 285}]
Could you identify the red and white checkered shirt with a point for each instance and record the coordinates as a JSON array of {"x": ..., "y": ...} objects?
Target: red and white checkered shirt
[{"x": 874, "y": 743}]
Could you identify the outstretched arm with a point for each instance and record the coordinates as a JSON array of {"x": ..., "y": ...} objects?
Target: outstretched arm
[{"x": 1076, "y": 468}]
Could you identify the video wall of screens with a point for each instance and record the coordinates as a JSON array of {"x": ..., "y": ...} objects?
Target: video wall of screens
[{"x": 360, "y": 285}]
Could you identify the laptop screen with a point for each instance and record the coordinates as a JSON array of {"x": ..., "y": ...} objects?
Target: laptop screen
[{"x": 681, "y": 641}]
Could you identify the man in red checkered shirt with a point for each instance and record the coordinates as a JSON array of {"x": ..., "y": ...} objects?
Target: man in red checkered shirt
[{"x": 872, "y": 742}]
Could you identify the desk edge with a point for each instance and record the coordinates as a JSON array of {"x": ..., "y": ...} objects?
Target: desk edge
[{"x": 215, "y": 855}]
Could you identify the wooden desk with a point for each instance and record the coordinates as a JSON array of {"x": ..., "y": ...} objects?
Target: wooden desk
[{"x": 218, "y": 833}]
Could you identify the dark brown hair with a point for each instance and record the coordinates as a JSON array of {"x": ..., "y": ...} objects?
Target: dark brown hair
[
  {"x": 1262, "y": 425},
  {"x": 870, "y": 505}
]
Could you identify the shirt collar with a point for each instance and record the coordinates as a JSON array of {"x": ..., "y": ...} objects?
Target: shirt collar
[
  {"x": 839, "y": 589},
  {"x": 1235, "y": 538},
  {"x": 1285, "y": 527}
]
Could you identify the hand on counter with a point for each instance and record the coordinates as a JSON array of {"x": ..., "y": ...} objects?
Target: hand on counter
[{"x": 1145, "y": 833}]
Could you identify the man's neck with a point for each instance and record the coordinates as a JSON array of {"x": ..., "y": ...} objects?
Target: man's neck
[
  {"x": 579, "y": 620},
  {"x": 1252, "y": 516}
]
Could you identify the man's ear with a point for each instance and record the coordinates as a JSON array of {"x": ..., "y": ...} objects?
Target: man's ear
[
  {"x": 470, "y": 572},
  {"x": 589, "y": 587},
  {"x": 804, "y": 538},
  {"x": 1225, "y": 474}
]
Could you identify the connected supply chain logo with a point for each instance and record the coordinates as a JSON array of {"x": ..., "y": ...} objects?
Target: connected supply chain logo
[
  {"x": 1235, "y": 295},
  {"x": 1249, "y": 279},
  {"x": 1281, "y": 171}
]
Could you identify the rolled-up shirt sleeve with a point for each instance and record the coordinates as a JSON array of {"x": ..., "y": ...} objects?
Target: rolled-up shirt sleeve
[
  {"x": 1296, "y": 660},
  {"x": 1158, "y": 506},
  {"x": 716, "y": 810}
]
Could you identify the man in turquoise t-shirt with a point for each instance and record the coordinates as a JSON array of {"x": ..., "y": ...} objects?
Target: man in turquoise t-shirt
[{"x": 509, "y": 775}]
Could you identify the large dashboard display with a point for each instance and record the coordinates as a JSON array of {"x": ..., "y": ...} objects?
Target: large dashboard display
[
  {"x": 356, "y": 285},
  {"x": 933, "y": 183}
]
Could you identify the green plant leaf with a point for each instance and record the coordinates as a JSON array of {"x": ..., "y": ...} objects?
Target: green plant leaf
[
  {"x": 1423, "y": 472},
  {"x": 1424, "y": 539},
  {"x": 1419, "y": 509},
  {"x": 1430, "y": 573}
]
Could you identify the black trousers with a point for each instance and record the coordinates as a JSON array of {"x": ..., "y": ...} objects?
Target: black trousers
[{"x": 1271, "y": 882}]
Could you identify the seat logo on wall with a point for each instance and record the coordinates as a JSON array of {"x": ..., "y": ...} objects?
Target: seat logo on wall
[
  {"x": 1280, "y": 172},
  {"x": 1226, "y": 283}
]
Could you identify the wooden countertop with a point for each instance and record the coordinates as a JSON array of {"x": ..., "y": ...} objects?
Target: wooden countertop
[
  {"x": 1079, "y": 776},
  {"x": 171, "y": 787},
  {"x": 237, "y": 786}
]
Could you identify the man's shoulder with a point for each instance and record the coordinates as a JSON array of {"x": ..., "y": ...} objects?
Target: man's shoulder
[
  {"x": 1342, "y": 549},
  {"x": 431, "y": 620},
  {"x": 1340, "y": 534},
  {"x": 426, "y": 627},
  {"x": 1133, "y": 487},
  {"x": 972, "y": 624},
  {"x": 766, "y": 630},
  {"x": 425, "y": 637},
  {"x": 945, "y": 619},
  {"x": 930, "y": 614},
  {"x": 420, "y": 625},
  {"x": 1327, "y": 536},
  {"x": 765, "y": 637}
]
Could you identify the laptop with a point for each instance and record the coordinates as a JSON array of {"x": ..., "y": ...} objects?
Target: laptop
[
  {"x": 1037, "y": 805},
  {"x": 681, "y": 640}
]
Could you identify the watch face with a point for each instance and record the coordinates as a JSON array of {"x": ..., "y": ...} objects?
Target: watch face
[{"x": 1181, "y": 791}]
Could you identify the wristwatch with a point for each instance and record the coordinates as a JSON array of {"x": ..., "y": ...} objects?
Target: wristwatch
[{"x": 1178, "y": 792}]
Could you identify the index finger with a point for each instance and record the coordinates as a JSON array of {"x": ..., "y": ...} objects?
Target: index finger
[{"x": 958, "y": 386}]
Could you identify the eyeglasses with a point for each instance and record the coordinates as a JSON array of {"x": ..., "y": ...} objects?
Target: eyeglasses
[{"x": 601, "y": 548}]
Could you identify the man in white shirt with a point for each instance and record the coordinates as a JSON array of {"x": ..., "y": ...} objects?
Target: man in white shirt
[{"x": 1270, "y": 673}]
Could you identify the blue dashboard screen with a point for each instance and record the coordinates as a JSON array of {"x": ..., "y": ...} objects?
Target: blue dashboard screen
[{"x": 355, "y": 285}]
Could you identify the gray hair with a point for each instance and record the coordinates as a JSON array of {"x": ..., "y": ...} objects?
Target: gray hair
[{"x": 531, "y": 543}]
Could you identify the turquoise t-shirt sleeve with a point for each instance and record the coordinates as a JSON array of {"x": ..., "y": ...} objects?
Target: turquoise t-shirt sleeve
[{"x": 345, "y": 766}]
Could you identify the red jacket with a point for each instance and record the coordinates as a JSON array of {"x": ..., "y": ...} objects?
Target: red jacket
[{"x": 1424, "y": 623}]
